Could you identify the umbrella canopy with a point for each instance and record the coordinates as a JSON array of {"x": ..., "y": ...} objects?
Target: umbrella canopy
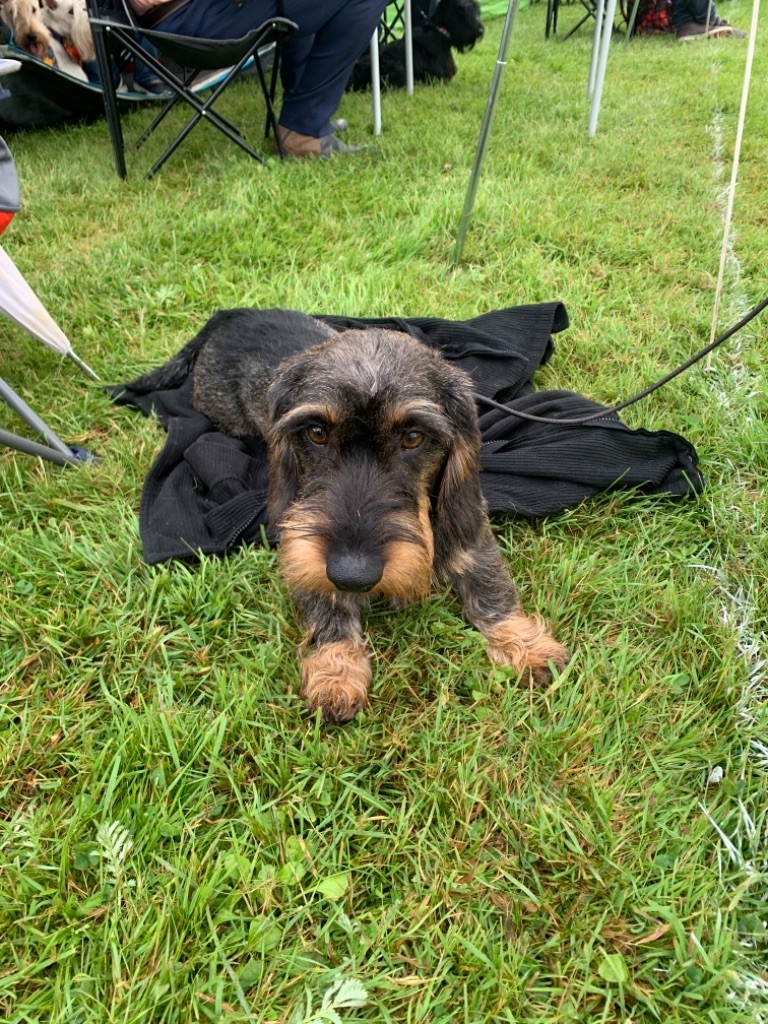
[
  {"x": 19, "y": 303},
  {"x": 17, "y": 300},
  {"x": 9, "y": 186}
]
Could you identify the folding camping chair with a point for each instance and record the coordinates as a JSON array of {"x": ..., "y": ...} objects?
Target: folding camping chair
[
  {"x": 593, "y": 8},
  {"x": 20, "y": 304},
  {"x": 392, "y": 24},
  {"x": 553, "y": 12},
  {"x": 118, "y": 30}
]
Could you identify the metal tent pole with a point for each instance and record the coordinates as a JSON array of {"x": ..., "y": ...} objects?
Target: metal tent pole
[
  {"x": 26, "y": 447},
  {"x": 31, "y": 418},
  {"x": 498, "y": 71}
]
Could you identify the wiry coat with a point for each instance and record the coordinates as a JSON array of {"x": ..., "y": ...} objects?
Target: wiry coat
[{"x": 374, "y": 484}]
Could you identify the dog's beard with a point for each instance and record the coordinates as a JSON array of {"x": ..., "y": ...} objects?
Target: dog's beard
[{"x": 408, "y": 556}]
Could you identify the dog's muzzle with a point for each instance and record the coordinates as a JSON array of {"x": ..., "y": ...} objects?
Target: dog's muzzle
[{"x": 354, "y": 572}]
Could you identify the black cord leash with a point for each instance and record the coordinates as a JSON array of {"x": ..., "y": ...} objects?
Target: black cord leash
[{"x": 641, "y": 394}]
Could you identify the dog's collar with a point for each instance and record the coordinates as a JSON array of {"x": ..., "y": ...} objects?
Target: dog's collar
[{"x": 443, "y": 31}]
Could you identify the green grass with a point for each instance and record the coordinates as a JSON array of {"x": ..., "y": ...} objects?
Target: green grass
[{"x": 177, "y": 842}]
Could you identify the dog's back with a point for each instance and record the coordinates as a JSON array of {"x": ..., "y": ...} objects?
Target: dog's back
[
  {"x": 232, "y": 360},
  {"x": 271, "y": 334},
  {"x": 238, "y": 360}
]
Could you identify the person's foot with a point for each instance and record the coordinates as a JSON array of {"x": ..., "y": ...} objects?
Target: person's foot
[
  {"x": 151, "y": 87},
  {"x": 736, "y": 33},
  {"x": 296, "y": 145},
  {"x": 690, "y": 30},
  {"x": 145, "y": 80}
]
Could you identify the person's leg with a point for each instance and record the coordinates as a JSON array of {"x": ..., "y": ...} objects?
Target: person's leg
[
  {"x": 317, "y": 60},
  {"x": 293, "y": 60},
  {"x": 315, "y": 76},
  {"x": 218, "y": 19},
  {"x": 144, "y": 77},
  {"x": 693, "y": 10}
]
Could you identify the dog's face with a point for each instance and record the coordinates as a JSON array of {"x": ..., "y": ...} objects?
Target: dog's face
[
  {"x": 29, "y": 32},
  {"x": 461, "y": 20},
  {"x": 372, "y": 439},
  {"x": 69, "y": 19}
]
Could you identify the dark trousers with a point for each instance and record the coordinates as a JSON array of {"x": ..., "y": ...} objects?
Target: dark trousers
[
  {"x": 317, "y": 61},
  {"x": 692, "y": 10}
]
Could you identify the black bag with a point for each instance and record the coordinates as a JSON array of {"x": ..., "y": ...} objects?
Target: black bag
[{"x": 41, "y": 96}]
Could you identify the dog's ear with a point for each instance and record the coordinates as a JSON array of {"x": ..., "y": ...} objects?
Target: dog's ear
[
  {"x": 283, "y": 463},
  {"x": 81, "y": 34},
  {"x": 459, "y": 508},
  {"x": 283, "y": 480}
]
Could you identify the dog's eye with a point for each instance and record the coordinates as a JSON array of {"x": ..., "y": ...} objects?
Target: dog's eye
[
  {"x": 317, "y": 434},
  {"x": 411, "y": 439}
]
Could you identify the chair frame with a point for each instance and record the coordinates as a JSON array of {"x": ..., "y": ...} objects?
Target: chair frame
[
  {"x": 553, "y": 10},
  {"x": 123, "y": 35}
]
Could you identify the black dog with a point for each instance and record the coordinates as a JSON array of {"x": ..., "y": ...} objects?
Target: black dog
[
  {"x": 374, "y": 484},
  {"x": 453, "y": 25}
]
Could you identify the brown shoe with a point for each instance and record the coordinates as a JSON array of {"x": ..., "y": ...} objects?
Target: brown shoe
[
  {"x": 736, "y": 33},
  {"x": 296, "y": 145},
  {"x": 689, "y": 31}
]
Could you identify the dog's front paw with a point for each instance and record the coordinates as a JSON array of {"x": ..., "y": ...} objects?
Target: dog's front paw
[
  {"x": 523, "y": 642},
  {"x": 335, "y": 678}
]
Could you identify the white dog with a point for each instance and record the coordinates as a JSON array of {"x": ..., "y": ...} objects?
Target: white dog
[
  {"x": 57, "y": 32},
  {"x": 68, "y": 20}
]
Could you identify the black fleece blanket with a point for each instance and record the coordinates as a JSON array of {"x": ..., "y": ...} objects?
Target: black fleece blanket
[{"x": 206, "y": 492}]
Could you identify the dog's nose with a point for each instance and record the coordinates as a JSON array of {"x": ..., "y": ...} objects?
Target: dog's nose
[{"x": 355, "y": 572}]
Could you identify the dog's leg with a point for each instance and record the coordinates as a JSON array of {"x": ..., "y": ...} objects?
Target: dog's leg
[
  {"x": 492, "y": 605},
  {"x": 336, "y": 672}
]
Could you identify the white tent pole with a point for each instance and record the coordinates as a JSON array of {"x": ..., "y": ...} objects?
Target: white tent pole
[
  {"x": 408, "y": 26},
  {"x": 606, "y": 31},
  {"x": 734, "y": 171},
  {"x": 498, "y": 71},
  {"x": 375, "y": 83},
  {"x": 599, "y": 17}
]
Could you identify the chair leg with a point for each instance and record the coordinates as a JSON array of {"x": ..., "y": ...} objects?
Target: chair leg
[
  {"x": 204, "y": 110},
  {"x": 268, "y": 92},
  {"x": 631, "y": 21},
  {"x": 110, "y": 99},
  {"x": 269, "y": 95},
  {"x": 182, "y": 92},
  {"x": 375, "y": 84},
  {"x": 174, "y": 101},
  {"x": 577, "y": 27},
  {"x": 551, "y": 28}
]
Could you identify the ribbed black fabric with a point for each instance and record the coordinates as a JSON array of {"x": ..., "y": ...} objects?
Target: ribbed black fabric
[{"x": 206, "y": 492}]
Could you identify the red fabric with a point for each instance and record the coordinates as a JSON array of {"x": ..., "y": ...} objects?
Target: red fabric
[
  {"x": 5, "y": 220},
  {"x": 654, "y": 17}
]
